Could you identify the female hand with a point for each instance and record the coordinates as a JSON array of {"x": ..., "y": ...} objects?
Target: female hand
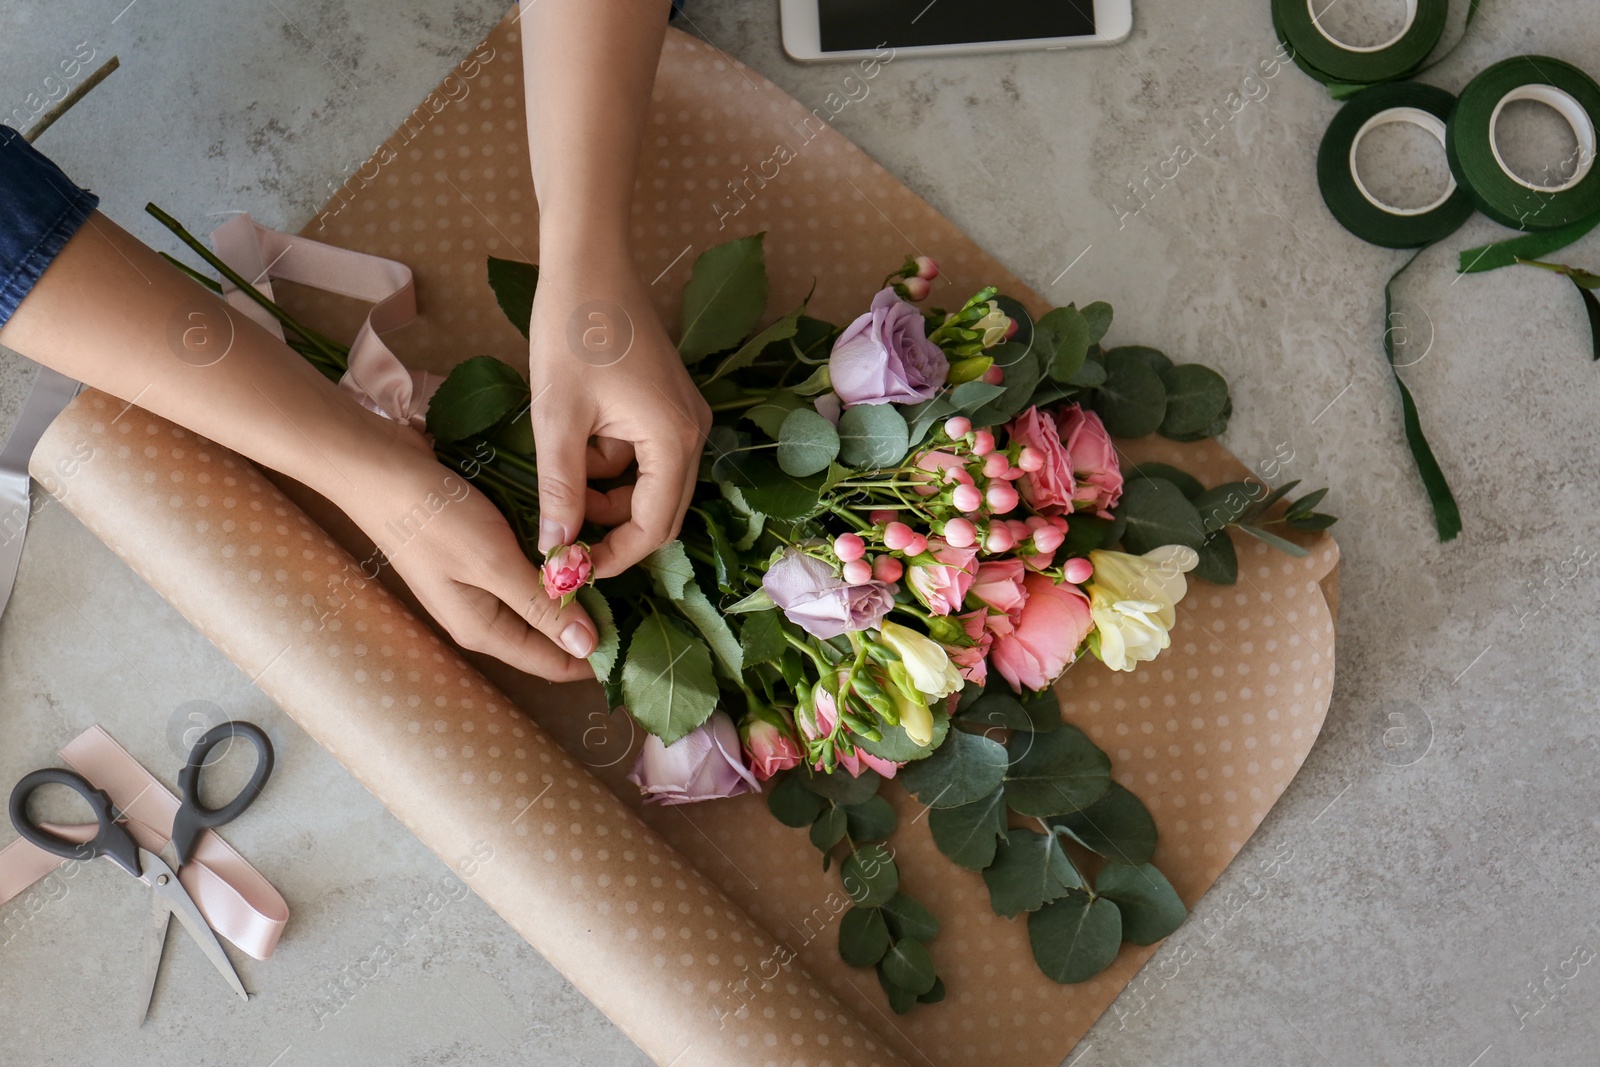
[{"x": 602, "y": 368}]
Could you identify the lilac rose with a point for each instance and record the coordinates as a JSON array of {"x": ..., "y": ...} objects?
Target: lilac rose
[
  {"x": 702, "y": 765},
  {"x": 817, "y": 600},
  {"x": 885, "y": 357}
]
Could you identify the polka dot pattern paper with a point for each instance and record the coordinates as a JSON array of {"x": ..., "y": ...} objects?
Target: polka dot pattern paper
[{"x": 707, "y": 933}]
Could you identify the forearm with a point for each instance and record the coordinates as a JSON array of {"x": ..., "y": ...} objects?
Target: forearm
[
  {"x": 589, "y": 66},
  {"x": 111, "y": 313}
]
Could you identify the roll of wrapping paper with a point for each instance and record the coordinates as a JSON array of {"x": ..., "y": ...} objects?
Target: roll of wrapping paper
[
  {"x": 1347, "y": 195},
  {"x": 1474, "y": 153},
  {"x": 707, "y": 933},
  {"x": 1335, "y": 63}
]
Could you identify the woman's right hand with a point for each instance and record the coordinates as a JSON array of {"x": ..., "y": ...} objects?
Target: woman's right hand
[{"x": 456, "y": 552}]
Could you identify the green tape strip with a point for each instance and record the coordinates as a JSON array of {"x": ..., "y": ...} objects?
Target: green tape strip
[
  {"x": 1342, "y": 190},
  {"x": 1446, "y": 513},
  {"x": 1475, "y": 161},
  {"x": 1528, "y": 246},
  {"x": 1332, "y": 62}
]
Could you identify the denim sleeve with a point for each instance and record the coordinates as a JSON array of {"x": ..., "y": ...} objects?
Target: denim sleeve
[{"x": 40, "y": 210}]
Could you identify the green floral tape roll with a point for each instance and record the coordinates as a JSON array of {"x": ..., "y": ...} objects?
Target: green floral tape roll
[
  {"x": 1334, "y": 62},
  {"x": 1347, "y": 196},
  {"x": 1573, "y": 194}
]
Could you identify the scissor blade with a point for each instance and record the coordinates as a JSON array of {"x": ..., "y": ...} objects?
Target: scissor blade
[
  {"x": 177, "y": 901},
  {"x": 155, "y": 940}
]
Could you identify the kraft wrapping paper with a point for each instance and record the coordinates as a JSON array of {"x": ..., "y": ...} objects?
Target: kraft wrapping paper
[{"x": 706, "y": 933}]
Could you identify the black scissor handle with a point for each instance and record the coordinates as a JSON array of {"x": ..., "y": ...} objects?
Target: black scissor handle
[
  {"x": 110, "y": 840},
  {"x": 193, "y": 816}
]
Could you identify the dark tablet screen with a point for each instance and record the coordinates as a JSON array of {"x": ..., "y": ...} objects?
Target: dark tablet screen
[{"x": 853, "y": 25}]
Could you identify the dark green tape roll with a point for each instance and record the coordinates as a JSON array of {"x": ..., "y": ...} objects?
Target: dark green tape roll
[
  {"x": 1473, "y": 157},
  {"x": 1331, "y": 62},
  {"x": 1363, "y": 215}
]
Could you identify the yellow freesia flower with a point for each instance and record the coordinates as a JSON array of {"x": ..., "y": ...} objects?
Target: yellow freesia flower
[{"x": 1133, "y": 599}]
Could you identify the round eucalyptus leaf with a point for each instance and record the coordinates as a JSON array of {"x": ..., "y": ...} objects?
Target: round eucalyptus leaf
[
  {"x": 829, "y": 828},
  {"x": 1151, "y": 908},
  {"x": 871, "y": 820},
  {"x": 1153, "y": 358},
  {"x": 900, "y": 1000},
  {"x": 872, "y": 436},
  {"x": 965, "y": 768},
  {"x": 1098, "y": 316},
  {"x": 869, "y": 875},
  {"x": 1219, "y": 561},
  {"x": 897, "y": 747},
  {"x": 1059, "y": 771},
  {"x": 968, "y": 834},
  {"x": 1075, "y": 938},
  {"x": 1117, "y": 826},
  {"x": 934, "y": 995},
  {"x": 807, "y": 443},
  {"x": 863, "y": 937},
  {"x": 1187, "y": 483},
  {"x": 1157, "y": 513},
  {"x": 909, "y": 965},
  {"x": 907, "y": 917},
  {"x": 840, "y": 787},
  {"x": 1196, "y": 395},
  {"x": 793, "y": 804},
  {"x": 1131, "y": 401}
]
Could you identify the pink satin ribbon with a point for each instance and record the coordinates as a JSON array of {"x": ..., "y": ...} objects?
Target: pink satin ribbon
[
  {"x": 376, "y": 377},
  {"x": 237, "y": 902}
]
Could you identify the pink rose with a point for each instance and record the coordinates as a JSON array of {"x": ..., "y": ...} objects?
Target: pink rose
[
  {"x": 1043, "y": 640},
  {"x": 942, "y": 586},
  {"x": 1094, "y": 460},
  {"x": 885, "y": 357},
  {"x": 999, "y": 585},
  {"x": 566, "y": 570},
  {"x": 702, "y": 765},
  {"x": 1050, "y": 488},
  {"x": 972, "y": 660},
  {"x": 769, "y": 748}
]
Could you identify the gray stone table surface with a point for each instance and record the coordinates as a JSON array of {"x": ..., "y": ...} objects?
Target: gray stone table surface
[{"x": 1436, "y": 908}]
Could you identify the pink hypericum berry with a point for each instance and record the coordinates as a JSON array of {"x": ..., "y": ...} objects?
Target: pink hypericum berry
[
  {"x": 957, "y": 427},
  {"x": 917, "y": 288},
  {"x": 849, "y": 547},
  {"x": 1036, "y": 521},
  {"x": 1019, "y": 530},
  {"x": 994, "y": 375},
  {"x": 1013, "y": 473},
  {"x": 1078, "y": 570},
  {"x": 882, "y": 516},
  {"x": 966, "y": 498},
  {"x": 1047, "y": 538},
  {"x": 999, "y": 539},
  {"x": 982, "y": 443},
  {"x": 858, "y": 572},
  {"x": 897, "y": 535},
  {"x": 1011, "y": 329},
  {"x": 927, "y": 269},
  {"x": 1001, "y": 497},
  {"x": 960, "y": 533},
  {"x": 1059, "y": 522},
  {"x": 995, "y": 465},
  {"x": 917, "y": 546},
  {"x": 1030, "y": 460},
  {"x": 887, "y": 569}
]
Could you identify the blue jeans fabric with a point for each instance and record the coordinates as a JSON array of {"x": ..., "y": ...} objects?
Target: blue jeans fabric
[{"x": 40, "y": 210}]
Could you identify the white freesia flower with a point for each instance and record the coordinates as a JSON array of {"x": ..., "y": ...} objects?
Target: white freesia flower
[
  {"x": 993, "y": 325},
  {"x": 1132, "y": 600},
  {"x": 926, "y": 660}
]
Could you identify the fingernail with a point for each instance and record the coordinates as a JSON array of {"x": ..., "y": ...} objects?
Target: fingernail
[
  {"x": 577, "y": 639},
  {"x": 551, "y": 534}
]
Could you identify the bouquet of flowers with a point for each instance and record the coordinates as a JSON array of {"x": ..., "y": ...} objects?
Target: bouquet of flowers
[{"x": 907, "y": 529}]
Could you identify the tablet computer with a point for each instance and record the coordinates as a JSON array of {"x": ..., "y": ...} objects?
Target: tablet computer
[{"x": 816, "y": 30}]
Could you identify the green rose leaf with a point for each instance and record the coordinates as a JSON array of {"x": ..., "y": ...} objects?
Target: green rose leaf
[
  {"x": 1117, "y": 826},
  {"x": 900, "y": 1000},
  {"x": 1196, "y": 395},
  {"x": 516, "y": 434},
  {"x": 871, "y": 820},
  {"x": 872, "y": 436},
  {"x": 965, "y": 768},
  {"x": 1187, "y": 483},
  {"x": 1157, "y": 514},
  {"x": 968, "y": 834},
  {"x": 908, "y": 918},
  {"x": 807, "y": 442},
  {"x": 1076, "y": 937},
  {"x": 863, "y": 937},
  {"x": 724, "y": 298},
  {"x": 908, "y": 965},
  {"x": 1151, "y": 908},
  {"x": 476, "y": 395},
  {"x": 1131, "y": 401},
  {"x": 970, "y": 396},
  {"x": 514, "y": 283},
  {"x": 746, "y": 354},
  {"x": 828, "y": 829},
  {"x": 1059, "y": 771},
  {"x": 1028, "y": 872},
  {"x": 1098, "y": 316},
  {"x": 603, "y": 660},
  {"x": 761, "y": 637},
  {"x": 768, "y": 489},
  {"x": 869, "y": 876},
  {"x": 666, "y": 679},
  {"x": 793, "y": 804},
  {"x": 841, "y": 788},
  {"x": 670, "y": 569},
  {"x": 695, "y": 606},
  {"x": 920, "y": 417}
]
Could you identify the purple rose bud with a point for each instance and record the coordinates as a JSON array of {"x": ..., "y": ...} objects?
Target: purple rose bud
[
  {"x": 885, "y": 357},
  {"x": 817, "y": 600},
  {"x": 704, "y": 764}
]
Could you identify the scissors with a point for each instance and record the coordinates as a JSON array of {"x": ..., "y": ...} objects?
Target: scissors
[{"x": 112, "y": 841}]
